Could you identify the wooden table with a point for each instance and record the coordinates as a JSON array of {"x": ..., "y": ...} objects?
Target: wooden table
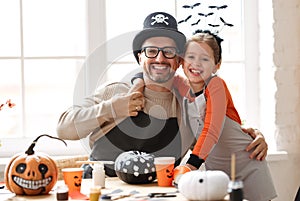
[{"x": 111, "y": 185}]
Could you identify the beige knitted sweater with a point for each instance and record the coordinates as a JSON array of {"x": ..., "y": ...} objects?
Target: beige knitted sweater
[{"x": 95, "y": 116}]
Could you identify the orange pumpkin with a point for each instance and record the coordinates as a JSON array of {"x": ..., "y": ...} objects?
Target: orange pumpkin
[{"x": 31, "y": 173}]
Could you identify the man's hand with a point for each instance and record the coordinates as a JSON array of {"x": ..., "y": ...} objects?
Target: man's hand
[
  {"x": 259, "y": 144},
  {"x": 129, "y": 104},
  {"x": 138, "y": 85}
]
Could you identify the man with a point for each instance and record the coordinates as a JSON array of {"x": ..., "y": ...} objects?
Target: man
[{"x": 117, "y": 120}]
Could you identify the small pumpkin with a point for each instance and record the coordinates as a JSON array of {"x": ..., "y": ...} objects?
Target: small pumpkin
[
  {"x": 135, "y": 167},
  {"x": 31, "y": 173},
  {"x": 204, "y": 185}
]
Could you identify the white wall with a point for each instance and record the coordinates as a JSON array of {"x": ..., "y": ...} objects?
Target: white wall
[
  {"x": 286, "y": 58},
  {"x": 286, "y": 177}
]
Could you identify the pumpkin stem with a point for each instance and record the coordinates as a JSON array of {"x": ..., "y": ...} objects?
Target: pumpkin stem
[{"x": 30, "y": 150}]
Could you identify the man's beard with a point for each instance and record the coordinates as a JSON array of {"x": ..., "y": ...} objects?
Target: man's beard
[{"x": 159, "y": 78}]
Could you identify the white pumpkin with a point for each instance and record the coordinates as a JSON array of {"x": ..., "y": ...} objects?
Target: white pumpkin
[{"x": 204, "y": 185}]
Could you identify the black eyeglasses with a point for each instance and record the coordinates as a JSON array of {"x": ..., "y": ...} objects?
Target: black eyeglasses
[{"x": 152, "y": 51}]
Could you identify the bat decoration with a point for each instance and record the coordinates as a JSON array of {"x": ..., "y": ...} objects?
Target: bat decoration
[
  {"x": 213, "y": 25},
  {"x": 185, "y": 20},
  {"x": 205, "y": 15},
  {"x": 225, "y": 23},
  {"x": 218, "y": 7},
  {"x": 193, "y": 24},
  {"x": 192, "y": 6},
  {"x": 204, "y": 18}
]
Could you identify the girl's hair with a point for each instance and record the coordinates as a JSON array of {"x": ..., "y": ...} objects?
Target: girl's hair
[{"x": 210, "y": 39}]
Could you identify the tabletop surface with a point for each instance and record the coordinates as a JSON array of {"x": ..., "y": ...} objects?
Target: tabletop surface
[{"x": 137, "y": 192}]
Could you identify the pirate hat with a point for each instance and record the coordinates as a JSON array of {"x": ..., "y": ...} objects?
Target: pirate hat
[{"x": 158, "y": 24}]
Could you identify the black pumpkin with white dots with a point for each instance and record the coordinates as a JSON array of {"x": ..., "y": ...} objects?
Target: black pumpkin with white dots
[{"x": 135, "y": 167}]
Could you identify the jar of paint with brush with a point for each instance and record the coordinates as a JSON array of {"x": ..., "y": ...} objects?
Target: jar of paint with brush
[
  {"x": 235, "y": 190},
  {"x": 235, "y": 187}
]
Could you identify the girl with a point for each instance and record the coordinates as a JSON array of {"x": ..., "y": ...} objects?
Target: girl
[{"x": 215, "y": 122}]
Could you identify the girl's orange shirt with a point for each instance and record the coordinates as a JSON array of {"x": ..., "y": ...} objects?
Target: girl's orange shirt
[{"x": 219, "y": 104}]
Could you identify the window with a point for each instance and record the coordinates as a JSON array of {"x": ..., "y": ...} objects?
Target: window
[{"x": 44, "y": 46}]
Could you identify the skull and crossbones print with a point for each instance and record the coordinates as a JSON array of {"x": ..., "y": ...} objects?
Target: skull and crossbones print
[{"x": 159, "y": 18}]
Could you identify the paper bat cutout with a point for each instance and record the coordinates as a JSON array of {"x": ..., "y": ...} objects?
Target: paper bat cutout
[
  {"x": 218, "y": 7},
  {"x": 185, "y": 20},
  {"x": 225, "y": 23},
  {"x": 205, "y": 15},
  {"x": 214, "y": 25},
  {"x": 193, "y": 24},
  {"x": 192, "y": 6}
]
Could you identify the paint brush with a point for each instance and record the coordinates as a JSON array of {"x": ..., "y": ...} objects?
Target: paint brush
[
  {"x": 95, "y": 162},
  {"x": 233, "y": 167}
]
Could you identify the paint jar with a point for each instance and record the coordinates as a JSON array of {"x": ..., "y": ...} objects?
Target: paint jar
[
  {"x": 98, "y": 175},
  {"x": 95, "y": 193},
  {"x": 62, "y": 193},
  {"x": 235, "y": 190}
]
